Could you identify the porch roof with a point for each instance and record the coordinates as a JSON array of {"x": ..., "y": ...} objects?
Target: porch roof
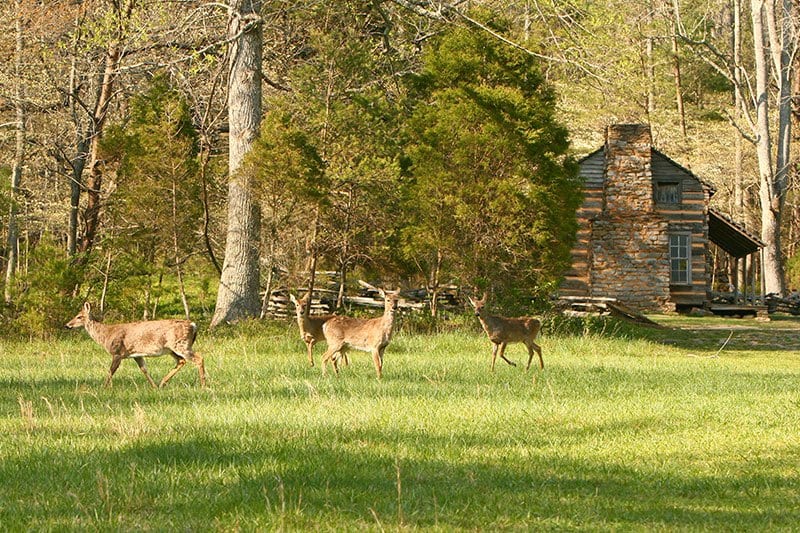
[{"x": 730, "y": 236}]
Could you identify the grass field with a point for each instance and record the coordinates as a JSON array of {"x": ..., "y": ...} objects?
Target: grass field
[{"x": 670, "y": 429}]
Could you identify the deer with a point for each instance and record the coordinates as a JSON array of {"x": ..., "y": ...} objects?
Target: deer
[
  {"x": 502, "y": 330},
  {"x": 366, "y": 334},
  {"x": 137, "y": 340},
  {"x": 310, "y": 326}
]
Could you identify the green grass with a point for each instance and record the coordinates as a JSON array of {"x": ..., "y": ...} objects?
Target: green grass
[{"x": 646, "y": 430}]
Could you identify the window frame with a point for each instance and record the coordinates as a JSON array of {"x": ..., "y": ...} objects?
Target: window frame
[
  {"x": 673, "y": 258},
  {"x": 678, "y": 192}
]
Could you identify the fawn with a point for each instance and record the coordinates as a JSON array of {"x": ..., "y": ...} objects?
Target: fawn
[
  {"x": 502, "y": 330},
  {"x": 369, "y": 335},
  {"x": 137, "y": 340},
  {"x": 310, "y": 326}
]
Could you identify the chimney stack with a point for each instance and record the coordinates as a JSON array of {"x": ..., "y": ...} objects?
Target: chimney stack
[{"x": 628, "y": 176}]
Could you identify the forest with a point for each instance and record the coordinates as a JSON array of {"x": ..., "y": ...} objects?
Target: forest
[{"x": 189, "y": 157}]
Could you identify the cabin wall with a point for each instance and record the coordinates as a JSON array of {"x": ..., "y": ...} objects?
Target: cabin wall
[
  {"x": 622, "y": 246},
  {"x": 690, "y": 217}
]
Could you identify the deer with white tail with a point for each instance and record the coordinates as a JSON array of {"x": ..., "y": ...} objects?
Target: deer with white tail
[
  {"x": 502, "y": 331},
  {"x": 137, "y": 340},
  {"x": 366, "y": 334}
]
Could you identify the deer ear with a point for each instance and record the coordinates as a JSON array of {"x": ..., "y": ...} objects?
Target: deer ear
[
  {"x": 87, "y": 307},
  {"x": 292, "y": 298},
  {"x": 483, "y": 300}
]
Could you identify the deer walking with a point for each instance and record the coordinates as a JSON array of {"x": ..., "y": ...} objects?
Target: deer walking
[
  {"x": 369, "y": 335},
  {"x": 502, "y": 330},
  {"x": 310, "y": 326},
  {"x": 137, "y": 340}
]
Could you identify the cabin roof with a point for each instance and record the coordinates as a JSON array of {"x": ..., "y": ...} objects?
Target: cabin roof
[
  {"x": 706, "y": 186},
  {"x": 731, "y": 236}
]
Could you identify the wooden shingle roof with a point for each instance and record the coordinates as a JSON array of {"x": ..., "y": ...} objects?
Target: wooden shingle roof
[{"x": 730, "y": 236}]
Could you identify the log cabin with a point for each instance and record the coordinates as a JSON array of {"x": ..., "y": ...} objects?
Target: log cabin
[{"x": 645, "y": 228}]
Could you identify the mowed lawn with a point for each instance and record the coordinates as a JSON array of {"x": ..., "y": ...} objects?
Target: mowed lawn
[{"x": 694, "y": 427}]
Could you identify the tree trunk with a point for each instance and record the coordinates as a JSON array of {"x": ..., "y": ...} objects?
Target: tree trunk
[
  {"x": 676, "y": 74},
  {"x": 738, "y": 174},
  {"x": 770, "y": 193},
  {"x": 176, "y": 249},
  {"x": 95, "y": 179},
  {"x": 239, "y": 282},
  {"x": 19, "y": 160},
  {"x": 650, "y": 69},
  {"x": 78, "y": 163}
]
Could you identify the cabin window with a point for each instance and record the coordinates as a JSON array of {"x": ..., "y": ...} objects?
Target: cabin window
[
  {"x": 668, "y": 192},
  {"x": 680, "y": 256}
]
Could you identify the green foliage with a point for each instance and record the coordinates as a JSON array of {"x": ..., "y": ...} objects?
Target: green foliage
[
  {"x": 157, "y": 189},
  {"x": 47, "y": 299},
  {"x": 491, "y": 189},
  {"x": 5, "y": 188},
  {"x": 286, "y": 163},
  {"x": 793, "y": 272}
]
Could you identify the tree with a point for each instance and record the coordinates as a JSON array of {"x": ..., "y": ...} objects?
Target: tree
[
  {"x": 239, "y": 282},
  {"x": 19, "y": 159},
  {"x": 157, "y": 195},
  {"x": 492, "y": 190},
  {"x": 773, "y": 46},
  {"x": 342, "y": 102}
]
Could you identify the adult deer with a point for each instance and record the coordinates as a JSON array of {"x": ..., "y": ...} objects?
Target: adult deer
[
  {"x": 502, "y": 330},
  {"x": 369, "y": 335},
  {"x": 310, "y": 326},
  {"x": 137, "y": 340}
]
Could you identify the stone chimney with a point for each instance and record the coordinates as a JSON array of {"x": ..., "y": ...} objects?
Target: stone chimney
[
  {"x": 628, "y": 177},
  {"x": 629, "y": 249}
]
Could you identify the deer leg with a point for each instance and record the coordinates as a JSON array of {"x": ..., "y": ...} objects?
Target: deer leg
[
  {"x": 179, "y": 362},
  {"x": 328, "y": 356},
  {"x": 197, "y": 359},
  {"x": 143, "y": 368},
  {"x": 114, "y": 366},
  {"x": 531, "y": 347},
  {"x": 502, "y": 354},
  {"x": 310, "y": 346},
  {"x": 377, "y": 358},
  {"x": 341, "y": 352},
  {"x": 495, "y": 346}
]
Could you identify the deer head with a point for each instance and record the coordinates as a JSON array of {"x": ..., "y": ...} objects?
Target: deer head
[
  {"x": 478, "y": 305},
  {"x": 82, "y": 318}
]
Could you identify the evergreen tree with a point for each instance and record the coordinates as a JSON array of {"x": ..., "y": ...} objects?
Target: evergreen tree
[
  {"x": 492, "y": 193},
  {"x": 156, "y": 209}
]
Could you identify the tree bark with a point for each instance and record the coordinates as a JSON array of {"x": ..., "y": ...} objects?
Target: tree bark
[
  {"x": 19, "y": 160},
  {"x": 237, "y": 297},
  {"x": 95, "y": 180},
  {"x": 78, "y": 163},
  {"x": 676, "y": 75},
  {"x": 771, "y": 186}
]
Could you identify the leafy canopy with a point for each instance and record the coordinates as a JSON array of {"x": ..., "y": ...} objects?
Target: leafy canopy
[{"x": 492, "y": 189}]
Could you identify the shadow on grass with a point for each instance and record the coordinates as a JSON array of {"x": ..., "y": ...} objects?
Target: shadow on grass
[
  {"x": 364, "y": 477},
  {"x": 690, "y": 333}
]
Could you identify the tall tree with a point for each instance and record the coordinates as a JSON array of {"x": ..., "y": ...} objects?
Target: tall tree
[
  {"x": 237, "y": 296},
  {"x": 493, "y": 190},
  {"x": 19, "y": 157},
  {"x": 121, "y": 14},
  {"x": 157, "y": 195},
  {"x": 773, "y": 178},
  {"x": 774, "y": 44}
]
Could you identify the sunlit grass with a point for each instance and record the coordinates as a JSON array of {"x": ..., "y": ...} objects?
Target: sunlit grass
[{"x": 655, "y": 429}]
